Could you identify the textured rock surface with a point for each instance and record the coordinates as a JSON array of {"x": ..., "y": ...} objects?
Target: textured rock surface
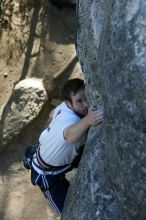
[
  {"x": 27, "y": 100},
  {"x": 111, "y": 43}
]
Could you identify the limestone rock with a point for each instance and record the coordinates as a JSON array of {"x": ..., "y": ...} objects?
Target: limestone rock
[{"x": 24, "y": 105}]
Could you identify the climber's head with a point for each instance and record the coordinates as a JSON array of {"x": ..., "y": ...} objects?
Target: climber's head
[{"x": 73, "y": 92}]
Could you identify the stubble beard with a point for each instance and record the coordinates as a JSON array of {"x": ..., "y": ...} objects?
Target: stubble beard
[{"x": 82, "y": 115}]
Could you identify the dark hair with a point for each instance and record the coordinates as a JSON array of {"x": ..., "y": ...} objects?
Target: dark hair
[{"x": 72, "y": 86}]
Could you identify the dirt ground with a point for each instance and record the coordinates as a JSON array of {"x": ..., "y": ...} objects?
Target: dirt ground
[{"x": 19, "y": 200}]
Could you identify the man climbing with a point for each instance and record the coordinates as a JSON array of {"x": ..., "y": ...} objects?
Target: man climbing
[{"x": 61, "y": 144}]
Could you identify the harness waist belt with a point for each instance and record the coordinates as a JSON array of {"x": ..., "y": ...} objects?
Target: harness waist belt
[{"x": 45, "y": 165}]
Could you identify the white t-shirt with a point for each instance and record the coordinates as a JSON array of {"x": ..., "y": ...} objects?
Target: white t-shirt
[{"x": 54, "y": 149}]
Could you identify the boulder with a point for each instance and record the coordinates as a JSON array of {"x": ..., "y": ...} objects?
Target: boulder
[
  {"x": 110, "y": 182},
  {"x": 24, "y": 105}
]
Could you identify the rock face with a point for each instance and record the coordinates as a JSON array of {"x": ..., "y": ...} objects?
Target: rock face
[
  {"x": 26, "y": 102},
  {"x": 111, "y": 44}
]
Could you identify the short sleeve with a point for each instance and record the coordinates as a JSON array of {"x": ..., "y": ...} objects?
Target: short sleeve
[{"x": 64, "y": 123}]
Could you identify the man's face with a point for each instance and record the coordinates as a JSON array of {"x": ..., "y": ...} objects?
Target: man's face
[{"x": 78, "y": 103}]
